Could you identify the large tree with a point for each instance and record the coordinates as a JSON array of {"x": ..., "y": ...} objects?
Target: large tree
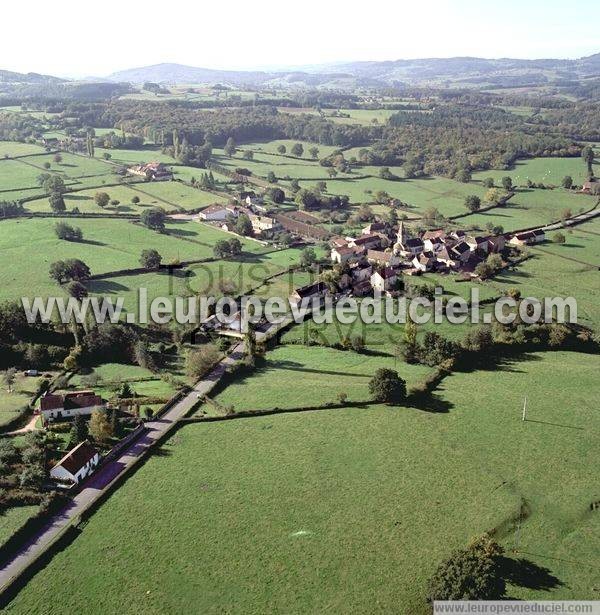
[
  {"x": 587, "y": 153},
  {"x": 150, "y": 259},
  {"x": 153, "y": 219}
]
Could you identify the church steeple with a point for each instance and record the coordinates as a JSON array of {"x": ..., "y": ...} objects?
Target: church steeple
[{"x": 401, "y": 232}]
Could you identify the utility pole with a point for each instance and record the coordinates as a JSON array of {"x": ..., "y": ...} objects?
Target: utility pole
[{"x": 524, "y": 409}]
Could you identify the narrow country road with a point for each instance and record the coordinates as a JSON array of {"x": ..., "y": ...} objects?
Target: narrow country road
[{"x": 96, "y": 485}]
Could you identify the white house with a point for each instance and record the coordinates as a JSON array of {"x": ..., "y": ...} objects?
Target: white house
[
  {"x": 424, "y": 262},
  {"x": 214, "y": 212},
  {"x": 53, "y": 406},
  {"x": 76, "y": 464},
  {"x": 384, "y": 280},
  {"x": 528, "y": 238}
]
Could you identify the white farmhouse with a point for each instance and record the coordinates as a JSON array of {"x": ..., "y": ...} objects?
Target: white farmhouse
[{"x": 76, "y": 464}]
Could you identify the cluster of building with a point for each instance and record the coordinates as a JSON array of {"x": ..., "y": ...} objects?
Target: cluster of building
[
  {"x": 151, "y": 171},
  {"x": 376, "y": 259},
  {"x": 226, "y": 215}
]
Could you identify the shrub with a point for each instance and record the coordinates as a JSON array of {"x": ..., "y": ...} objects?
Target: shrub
[{"x": 387, "y": 386}]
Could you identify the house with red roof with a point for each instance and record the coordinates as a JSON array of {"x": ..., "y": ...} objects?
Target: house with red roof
[
  {"x": 55, "y": 406},
  {"x": 76, "y": 464}
]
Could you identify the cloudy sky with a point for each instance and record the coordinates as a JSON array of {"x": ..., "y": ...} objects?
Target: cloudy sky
[{"x": 69, "y": 38}]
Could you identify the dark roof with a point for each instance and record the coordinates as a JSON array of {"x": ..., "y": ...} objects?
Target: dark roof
[
  {"x": 387, "y": 272},
  {"x": 76, "y": 458},
  {"x": 71, "y": 400},
  {"x": 413, "y": 242},
  {"x": 462, "y": 247},
  {"x": 366, "y": 239},
  {"x": 316, "y": 288}
]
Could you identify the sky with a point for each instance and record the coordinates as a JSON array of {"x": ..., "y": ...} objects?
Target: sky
[{"x": 77, "y": 39}]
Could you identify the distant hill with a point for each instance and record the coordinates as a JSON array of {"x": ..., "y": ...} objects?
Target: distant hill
[
  {"x": 179, "y": 73},
  {"x": 7, "y": 76},
  {"x": 502, "y": 72}
]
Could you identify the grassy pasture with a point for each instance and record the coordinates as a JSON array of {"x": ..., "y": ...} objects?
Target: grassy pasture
[
  {"x": 109, "y": 245},
  {"x": 187, "y": 173},
  {"x": 13, "y": 518},
  {"x": 84, "y": 201},
  {"x": 552, "y": 275},
  {"x": 444, "y": 194},
  {"x": 13, "y": 148},
  {"x": 274, "y": 510},
  {"x": 177, "y": 194},
  {"x": 10, "y": 403},
  {"x": 16, "y": 175},
  {"x": 134, "y": 156},
  {"x": 112, "y": 375},
  {"x": 548, "y": 171},
  {"x": 72, "y": 165},
  {"x": 530, "y": 207},
  {"x": 206, "y": 279},
  {"x": 364, "y": 117},
  {"x": 282, "y": 166},
  {"x": 322, "y": 371},
  {"x": 271, "y": 147}
]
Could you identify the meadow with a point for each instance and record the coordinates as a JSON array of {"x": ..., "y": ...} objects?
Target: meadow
[
  {"x": 109, "y": 245},
  {"x": 364, "y": 117},
  {"x": 291, "y": 371},
  {"x": 206, "y": 279},
  {"x": 548, "y": 274},
  {"x": 269, "y": 513},
  {"x": 14, "y": 148},
  {"x": 531, "y": 207},
  {"x": 550, "y": 171},
  {"x": 13, "y": 518},
  {"x": 176, "y": 194},
  {"x": 444, "y": 194},
  {"x": 83, "y": 200},
  {"x": 282, "y": 166},
  {"x": 11, "y": 403},
  {"x": 111, "y": 376}
]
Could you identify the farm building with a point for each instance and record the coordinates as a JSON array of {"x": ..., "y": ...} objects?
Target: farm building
[
  {"x": 152, "y": 171},
  {"x": 214, "y": 212},
  {"x": 53, "y": 406},
  {"x": 316, "y": 289},
  {"x": 76, "y": 464},
  {"x": 528, "y": 238}
]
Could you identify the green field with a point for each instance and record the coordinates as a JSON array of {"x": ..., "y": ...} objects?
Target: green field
[
  {"x": 108, "y": 245},
  {"x": 179, "y": 195},
  {"x": 341, "y": 510},
  {"x": 11, "y": 403},
  {"x": 112, "y": 375},
  {"x": 72, "y": 165},
  {"x": 206, "y": 279},
  {"x": 14, "y": 148},
  {"x": 134, "y": 156},
  {"x": 13, "y": 518},
  {"x": 322, "y": 371},
  {"x": 530, "y": 207},
  {"x": 84, "y": 201},
  {"x": 282, "y": 166},
  {"x": 444, "y": 194},
  {"x": 364, "y": 117},
  {"x": 548, "y": 171},
  {"x": 271, "y": 147},
  {"x": 551, "y": 275}
]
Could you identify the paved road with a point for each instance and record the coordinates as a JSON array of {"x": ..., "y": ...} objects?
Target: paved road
[{"x": 107, "y": 473}]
